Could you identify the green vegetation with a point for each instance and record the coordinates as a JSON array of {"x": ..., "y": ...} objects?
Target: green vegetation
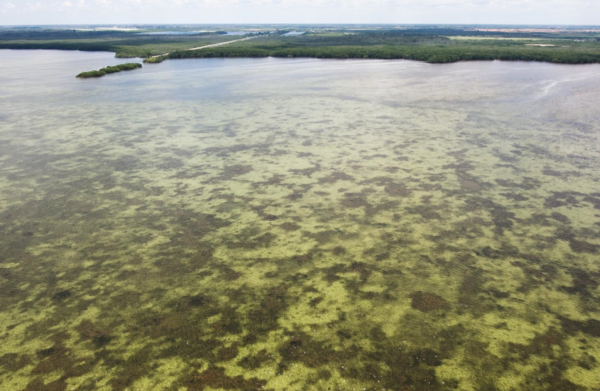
[
  {"x": 427, "y": 45},
  {"x": 428, "y": 54},
  {"x": 123, "y": 44},
  {"x": 423, "y": 43},
  {"x": 108, "y": 70},
  {"x": 155, "y": 60}
]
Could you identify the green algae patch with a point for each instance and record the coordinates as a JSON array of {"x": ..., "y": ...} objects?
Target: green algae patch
[
  {"x": 108, "y": 70},
  {"x": 366, "y": 230}
]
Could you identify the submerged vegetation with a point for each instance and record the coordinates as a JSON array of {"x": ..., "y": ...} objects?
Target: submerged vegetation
[
  {"x": 300, "y": 225},
  {"x": 110, "y": 69}
]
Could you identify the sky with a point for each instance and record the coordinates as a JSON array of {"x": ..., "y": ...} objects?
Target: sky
[{"x": 110, "y": 12}]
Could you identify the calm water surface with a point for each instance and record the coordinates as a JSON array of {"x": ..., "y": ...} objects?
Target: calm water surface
[{"x": 296, "y": 224}]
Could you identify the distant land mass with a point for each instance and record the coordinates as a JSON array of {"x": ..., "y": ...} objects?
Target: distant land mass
[{"x": 428, "y": 43}]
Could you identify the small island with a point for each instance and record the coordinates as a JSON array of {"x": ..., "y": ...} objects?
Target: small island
[{"x": 114, "y": 69}]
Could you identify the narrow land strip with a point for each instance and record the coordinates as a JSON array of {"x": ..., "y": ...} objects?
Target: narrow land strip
[{"x": 207, "y": 46}]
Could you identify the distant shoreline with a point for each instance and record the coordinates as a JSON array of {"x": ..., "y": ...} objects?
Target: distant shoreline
[
  {"x": 434, "y": 45},
  {"x": 312, "y": 57},
  {"x": 537, "y": 54}
]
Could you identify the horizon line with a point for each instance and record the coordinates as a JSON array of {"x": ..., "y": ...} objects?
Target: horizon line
[{"x": 300, "y": 24}]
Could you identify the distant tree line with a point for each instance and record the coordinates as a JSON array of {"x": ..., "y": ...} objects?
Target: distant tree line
[
  {"x": 375, "y": 38},
  {"x": 125, "y": 46},
  {"x": 450, "y": 32},
  {"x": 424, "y": 44},
  {"x": 430, "y": 54},
  {"x": 59, "y": 34}
]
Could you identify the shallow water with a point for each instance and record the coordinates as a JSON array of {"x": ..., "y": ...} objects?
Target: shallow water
[{"x": 296, "y": 224}]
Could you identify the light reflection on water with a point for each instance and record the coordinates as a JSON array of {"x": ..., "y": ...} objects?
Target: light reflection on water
[{"x": 298, "y": 224}]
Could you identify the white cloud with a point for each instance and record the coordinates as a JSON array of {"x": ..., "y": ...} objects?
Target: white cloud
[
  {"x": 7, "y": 7},
  {"x": 33, "y": 7},
  {"x": 204, "y": 3},
  {"x": 426, "y": 3},
  {"x": 220, "y": 3},
  {"x": 303, "y": 11},
  {"x": 368, "y": 4}
]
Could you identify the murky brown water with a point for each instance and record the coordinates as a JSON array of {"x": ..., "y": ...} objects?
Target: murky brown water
[{"x": 298, "y": 225}]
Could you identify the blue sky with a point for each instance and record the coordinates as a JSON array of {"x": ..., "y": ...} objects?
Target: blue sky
[{"x": 14, "y": 12}]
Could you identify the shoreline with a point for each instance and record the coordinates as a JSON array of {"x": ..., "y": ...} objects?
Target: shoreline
[
  {"x": 314, "y": 57},
  {"x": 376, "y": 58},
  {"x": 421, "y": 57}
]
